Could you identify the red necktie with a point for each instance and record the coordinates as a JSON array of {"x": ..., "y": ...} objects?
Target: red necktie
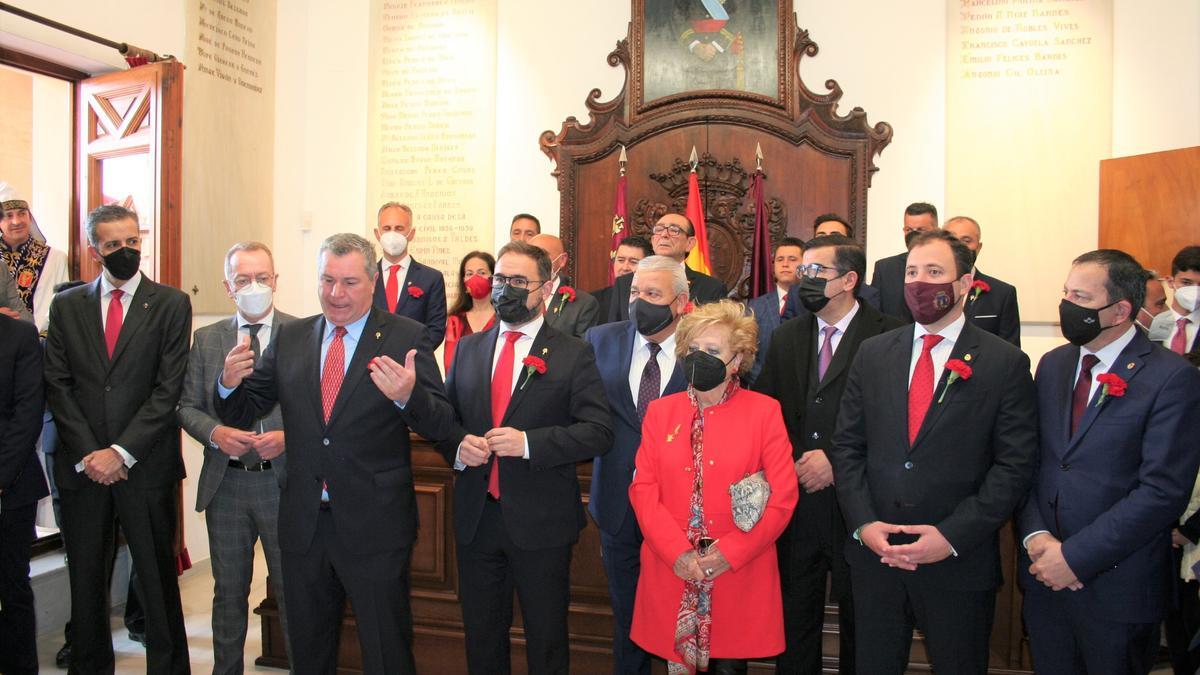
[
  {"x": 112, "y": 321},
  {"x": 1179, "y": 342},
  {"x": 335, "y": 367},
  {"x": 502, "y": 384},
  {"x": 393, "y": 288},
  {"x": 920, "y": 390},
  {"x": 1083, "y": 390}
]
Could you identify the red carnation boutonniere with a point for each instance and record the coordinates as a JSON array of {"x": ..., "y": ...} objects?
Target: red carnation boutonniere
[
  {"x": 533, "y": 364},
  {"x": 978, "y": 288},
  {"x": 959, "y": 370},
  {"x": 565, "y": 294},
  {"x": 689, "y": 308},
  {"x": 415, "y": 291},
  {"x": 1111, "y": 385}
]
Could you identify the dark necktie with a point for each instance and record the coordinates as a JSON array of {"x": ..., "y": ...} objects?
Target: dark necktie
[
  {"x": 112, "y": 321},
  {"x": 1083, "y": 390},
  {"x": 648, "y": 389},
  {"x": 920, "y": 390},
  {"x": 825, "y": 357},
  {"x": 255, "y": 345},
  {"x": 502, "y": 386}
]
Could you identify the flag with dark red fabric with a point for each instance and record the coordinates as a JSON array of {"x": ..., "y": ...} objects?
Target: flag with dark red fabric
[
  {"x": 760, "y": 255},
  {"x": 619, "y": 228}
]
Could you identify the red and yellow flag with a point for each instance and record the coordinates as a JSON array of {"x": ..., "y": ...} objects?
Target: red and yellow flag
[{"x": 698, "y": 258}]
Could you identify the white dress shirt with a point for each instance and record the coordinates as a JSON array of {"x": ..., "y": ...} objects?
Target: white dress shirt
[
  {"x": 106, "y": 289},
  {"x": 782, "y": 293},
  {"x": 264, "y": 333},
  {"x": 941, "y": 352},
  {"x": 841, "y": 325},
  {"x": 1193, "y": 325},
  {"x": 641, "y": 356},
  {"x": 401, "y": 275}
]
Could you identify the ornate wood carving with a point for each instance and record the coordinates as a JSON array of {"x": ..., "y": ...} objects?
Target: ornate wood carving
[{"x": 818, "y": 159}]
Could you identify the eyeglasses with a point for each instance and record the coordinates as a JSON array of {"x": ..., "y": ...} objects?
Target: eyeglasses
[
  {"x": 262, "y": 279},
  {"x": 813, "y": 270},
  {"x": 500, "y": 280},
  {"x": 669, "y": 230}
]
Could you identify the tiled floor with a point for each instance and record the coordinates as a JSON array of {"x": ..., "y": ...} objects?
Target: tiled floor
[{"x": 195, "y": 589}]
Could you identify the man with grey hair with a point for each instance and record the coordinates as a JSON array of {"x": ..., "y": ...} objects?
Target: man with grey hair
[
  {"x": 115, "y": 364},
  {"x": 348, "y": 515},
  {"x": 244, "y": 467},
  {"x": 403, "y": 285},
  {"x": 637, "y": 364}
]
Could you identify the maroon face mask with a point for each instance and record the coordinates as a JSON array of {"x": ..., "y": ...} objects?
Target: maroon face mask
[{"x": 929, "y": 302}]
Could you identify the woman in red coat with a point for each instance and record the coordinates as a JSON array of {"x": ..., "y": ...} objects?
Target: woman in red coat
[{"x": 708, "y": 596}]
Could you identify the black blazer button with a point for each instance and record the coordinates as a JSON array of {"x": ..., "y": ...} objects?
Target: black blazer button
[
  {"x": 816, "y": 435},
  {"x": 1065, "y": 467}
]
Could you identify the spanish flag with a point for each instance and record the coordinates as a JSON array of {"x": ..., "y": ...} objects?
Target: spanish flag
[{"x": 698, "y": 258}]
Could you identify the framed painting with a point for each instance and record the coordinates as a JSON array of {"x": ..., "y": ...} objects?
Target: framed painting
[{"x": 722, "y": 47}]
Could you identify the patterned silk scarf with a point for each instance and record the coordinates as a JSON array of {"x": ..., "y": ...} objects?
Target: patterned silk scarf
[
  {"x": 25, "y": 264},
  {"x": 694, "y": 623}
]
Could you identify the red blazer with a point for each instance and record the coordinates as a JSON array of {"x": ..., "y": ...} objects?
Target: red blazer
[{"x": 742, "y": 436}]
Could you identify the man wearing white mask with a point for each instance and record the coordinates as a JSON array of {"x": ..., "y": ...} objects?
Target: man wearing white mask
[
  {"x": 1177, "y": 329},
  {"x": 243, "y": 468},
  {"x": 403, "y": 285}
]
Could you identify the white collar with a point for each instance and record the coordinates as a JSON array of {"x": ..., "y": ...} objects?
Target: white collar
[
  {"x": 842, "y": 323},
  {"x": 529, "y": 329},
  {"x": 130, "y": 287},
  {"x": 667, "y": 345},
  {"x": 267, "y": 320},
  {"x": 949, "y": 333},
  {"x": 1108, "y": 354}
]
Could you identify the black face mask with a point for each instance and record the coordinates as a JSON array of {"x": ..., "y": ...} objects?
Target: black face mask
[
  {"x": 511, "y": 304},
  {"x": 703, "y": 370},
  {"x": 650, "y": 318},
  {"x": 812, "y": 293},
  {"x": 123, "y": 263},
  {"x": 1081, "y": 325}
]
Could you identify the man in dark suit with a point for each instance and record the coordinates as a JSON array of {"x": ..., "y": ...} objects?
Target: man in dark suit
[
  {"x": 674, "y": 237},
  {"x": 631, "y": 250},
  {"x": 568, "y": 309},
  {"x": 935, "y": 446},
  {"x": 888, "y": 276},
  {"x": 991, "y": 303},
  {"x": 1181, "y": 326},
  {"x": 115, "y": 361},
  {"x": 1118, "y": 427},
  {"x": 530, "y": 405},
  {"x": 768, "y": 309},
  {"x": 826, "y": 224},
  {"x": 348, "y": 514},
  {"x": 21, "y": 486},
  {"x": 243, "y": 468},
  {"x": 805, "y": 370},
  {"x": 404, "y": 286},
  {"x": 637, "y": 364}
]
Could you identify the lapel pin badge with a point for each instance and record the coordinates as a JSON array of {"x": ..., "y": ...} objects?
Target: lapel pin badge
[
  {"x": 671, "y": 436},
  {"x": 1129, "y": 366},
  {"x": 377, "y": 334},
  {"x": 966, "y": 357},
  {"x": 145, "y": 305},
  {"x": 545, "y": 350}
]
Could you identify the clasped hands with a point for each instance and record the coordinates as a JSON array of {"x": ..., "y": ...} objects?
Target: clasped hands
[
  {"x": 394, "y": 380},
  {"x": 690, "y": 565},
  {"x": 1049, "y": 566},
  {"x": 930, "y": 546},
  {"x": 236, "y": 442},
  {"x": 105, "y": 466},
  {"x": 502, "y": 442}
]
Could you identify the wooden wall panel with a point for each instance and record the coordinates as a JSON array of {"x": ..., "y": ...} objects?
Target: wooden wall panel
[{"x": 1150, "y": 205}]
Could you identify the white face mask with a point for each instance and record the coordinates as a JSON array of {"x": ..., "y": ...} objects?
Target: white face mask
[
  {"x": 254, "y": 299},
  {"x": 1187, "y": 297},
  {"x": 1161, "y": 327},
  {"x": 394, "y": 243}
]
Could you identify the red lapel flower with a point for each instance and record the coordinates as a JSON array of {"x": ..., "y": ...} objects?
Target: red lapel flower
[
  {"x": 565, "y": 294},
  {"x": 959, "y": 370},
  {"x": 689, "y": 308},
  {"x": 979, "y": 287},
  {"x": 1113, "y": 386},
  {"x": 415, "y": 291},
  {"x": 533, "y": 364}
]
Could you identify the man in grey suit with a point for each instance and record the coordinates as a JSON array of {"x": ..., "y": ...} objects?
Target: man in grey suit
[
  {"x": 569, "y": 310},
  {"x": 243, "y": 468}
]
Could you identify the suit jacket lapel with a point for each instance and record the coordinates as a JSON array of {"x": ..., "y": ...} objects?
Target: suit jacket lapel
[
  {"x": 314, "y": 371},
  {"x": 804, "y": 349},
  {"x": 896, "y": 377},
  {"x": 91, "y": 320},
  {"x": 139, "y": 308},
  {"x": 1064, "y": 382},
  {"x": 370, "y": 342},
  {"x": 841, "y": 356},
  {"x": 1126, "y": 366},
  {"x": 966, "y": 348},
  {"x": 541, "y": 348},
  {"x": 625, "y": 358}
]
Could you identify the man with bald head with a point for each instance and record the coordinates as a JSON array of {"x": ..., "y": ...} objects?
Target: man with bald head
[
  {"x": 568, "y": 310},
  {"x": 674, "y": 237},
  {"x": 991, "y": 303}
]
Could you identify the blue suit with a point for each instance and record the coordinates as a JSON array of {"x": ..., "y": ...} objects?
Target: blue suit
[
  {"x": 612, "y": 472},
  {"x": 766, "y": 314},
  {"x": 427, "y": 307},
  {"x": 1110, "y": 494}
]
